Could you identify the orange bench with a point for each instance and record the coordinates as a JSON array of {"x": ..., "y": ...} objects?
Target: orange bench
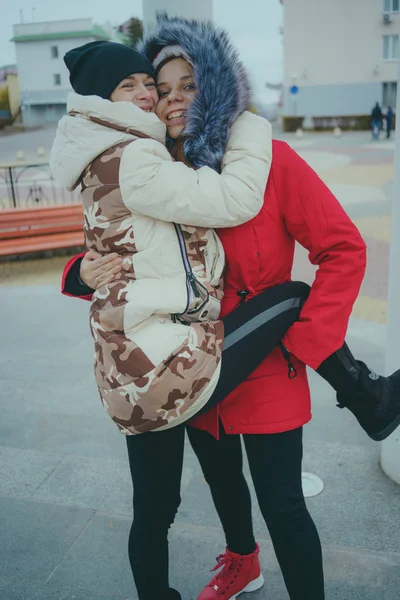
[{"x": 24, "y": 230}]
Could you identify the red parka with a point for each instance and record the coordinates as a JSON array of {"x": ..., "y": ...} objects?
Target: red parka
[{"x": 297, "y": 207}]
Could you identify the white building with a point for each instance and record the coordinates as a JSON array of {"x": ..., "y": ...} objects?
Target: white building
[
  {"x": 341, "y": 55},
  {"x": 43, "y": 76},
  {"x": 177, "y": 8}
]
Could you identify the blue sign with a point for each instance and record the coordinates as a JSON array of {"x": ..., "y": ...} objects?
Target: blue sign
[{"x": 294, "y": 89}]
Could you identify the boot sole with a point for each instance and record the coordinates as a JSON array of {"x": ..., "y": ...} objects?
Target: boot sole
[
  {"x": 253, "y": 586},
  {"x": 384, "y": 433}
]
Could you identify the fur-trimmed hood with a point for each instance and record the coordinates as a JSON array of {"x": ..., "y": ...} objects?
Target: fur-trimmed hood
[{"x": 223, "y": 90}]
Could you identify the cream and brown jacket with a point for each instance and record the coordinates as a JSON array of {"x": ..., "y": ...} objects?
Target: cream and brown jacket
[{"x": 158, "y": 341}]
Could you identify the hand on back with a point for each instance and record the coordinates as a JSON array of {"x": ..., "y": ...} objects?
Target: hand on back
[{"x": 97, "y": 270}]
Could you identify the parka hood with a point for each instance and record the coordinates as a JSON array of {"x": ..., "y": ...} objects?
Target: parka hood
[
  {"x": 79, "y": 140},
  {"x": 223, "y": 90}
]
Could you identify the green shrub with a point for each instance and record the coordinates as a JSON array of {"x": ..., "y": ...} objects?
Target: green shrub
[
  {"x": 291, "y": 124},
  {"x": 346, "y": 123}
]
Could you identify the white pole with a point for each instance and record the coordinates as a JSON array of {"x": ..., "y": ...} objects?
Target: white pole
[
  {"x": 182, "y": 8},
  {"x": 390, "y": 453}
]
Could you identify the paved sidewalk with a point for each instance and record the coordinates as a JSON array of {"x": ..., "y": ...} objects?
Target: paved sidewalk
[{"x": 65, "y": 493}]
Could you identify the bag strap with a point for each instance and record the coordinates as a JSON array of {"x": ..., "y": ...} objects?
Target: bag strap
[{"x": 139, "y": 134}]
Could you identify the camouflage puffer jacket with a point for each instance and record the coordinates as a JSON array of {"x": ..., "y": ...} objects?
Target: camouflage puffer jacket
[{"x": 158, "y": 341}]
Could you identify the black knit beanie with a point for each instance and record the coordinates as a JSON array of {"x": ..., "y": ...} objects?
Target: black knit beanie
[{"x": 98, "y": 67}]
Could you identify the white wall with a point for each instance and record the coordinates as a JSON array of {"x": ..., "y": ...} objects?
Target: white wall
[
  {"x": 36, "y": 67},
  {"x": 333, "y": 100},
  {"x": 194, "y": 9},
  {"x": 41, "y": 114},
  {"x": 336, "y": 41}
]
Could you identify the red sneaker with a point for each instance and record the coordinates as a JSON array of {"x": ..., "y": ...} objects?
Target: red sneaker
[{"x": 239, "y": 574}]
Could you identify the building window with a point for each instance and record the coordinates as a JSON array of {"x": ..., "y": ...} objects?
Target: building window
[
  {"x": 57, "y": 79},
  {"x": 389, "y": 93},
  {"x": 54, "y": 51},
  {"x": 391, "y": 6},
  {"x": 390, "y": 47}
]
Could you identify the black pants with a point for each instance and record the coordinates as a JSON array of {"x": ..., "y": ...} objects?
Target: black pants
[{"x": 275, "y": 463}]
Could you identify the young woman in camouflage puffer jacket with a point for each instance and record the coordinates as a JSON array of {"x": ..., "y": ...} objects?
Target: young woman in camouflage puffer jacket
[{"x": 158, "y": 340}]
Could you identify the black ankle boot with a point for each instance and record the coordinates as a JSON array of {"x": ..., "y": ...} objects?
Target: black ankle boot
[{"x": 373, "y": 400}]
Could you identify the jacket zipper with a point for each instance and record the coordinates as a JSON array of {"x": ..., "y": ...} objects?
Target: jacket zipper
[
  {"x": 292, "y": 373},
  {"x": 242, "y": 295},
  {"x": 191, "y": 282}
]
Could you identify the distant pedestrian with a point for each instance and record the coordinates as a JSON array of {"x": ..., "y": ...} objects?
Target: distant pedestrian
[
  {"x": 376, "y": 121},
  {"x": 389, "y": 121}
]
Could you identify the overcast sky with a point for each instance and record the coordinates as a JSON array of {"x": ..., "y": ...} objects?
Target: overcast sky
[{"x": 253, "y": 25}]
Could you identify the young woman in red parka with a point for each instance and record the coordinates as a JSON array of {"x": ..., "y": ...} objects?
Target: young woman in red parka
[{"x": 297, "y": 206}]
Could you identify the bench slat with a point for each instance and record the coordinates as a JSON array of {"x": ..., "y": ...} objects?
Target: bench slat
[
  {"x": 48, "y": 221},
  {"x": 46, "y": 242},
  {"x": 26, "y": 217},
  {"x": 11, "y": 234},
  {"x": 24, "y": 230}
]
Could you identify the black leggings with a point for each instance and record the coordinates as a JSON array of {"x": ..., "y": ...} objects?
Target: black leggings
[
  {"x": 252, "y": 331},
  {"x": 275, "y": 464}
]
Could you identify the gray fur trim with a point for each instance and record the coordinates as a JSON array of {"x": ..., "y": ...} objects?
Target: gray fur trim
[{"x": 223, "y": 90}]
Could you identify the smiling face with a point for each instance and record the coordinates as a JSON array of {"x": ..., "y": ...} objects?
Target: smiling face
[
  {"x": 138, "y": 88},
  {"x": 176, "y": 90}
]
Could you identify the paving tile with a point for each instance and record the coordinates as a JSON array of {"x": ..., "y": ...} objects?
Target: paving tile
[
  {"x": 99, "y": 560},
  {"x": 23, "y": 471},
  {"x": 49, "y": 397},
  {"x": 32, "y": 590},
  {"x": 66, "y": 434},
  {"x": 35, "y": 537},
  {"x": 88, "y": 482}
]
